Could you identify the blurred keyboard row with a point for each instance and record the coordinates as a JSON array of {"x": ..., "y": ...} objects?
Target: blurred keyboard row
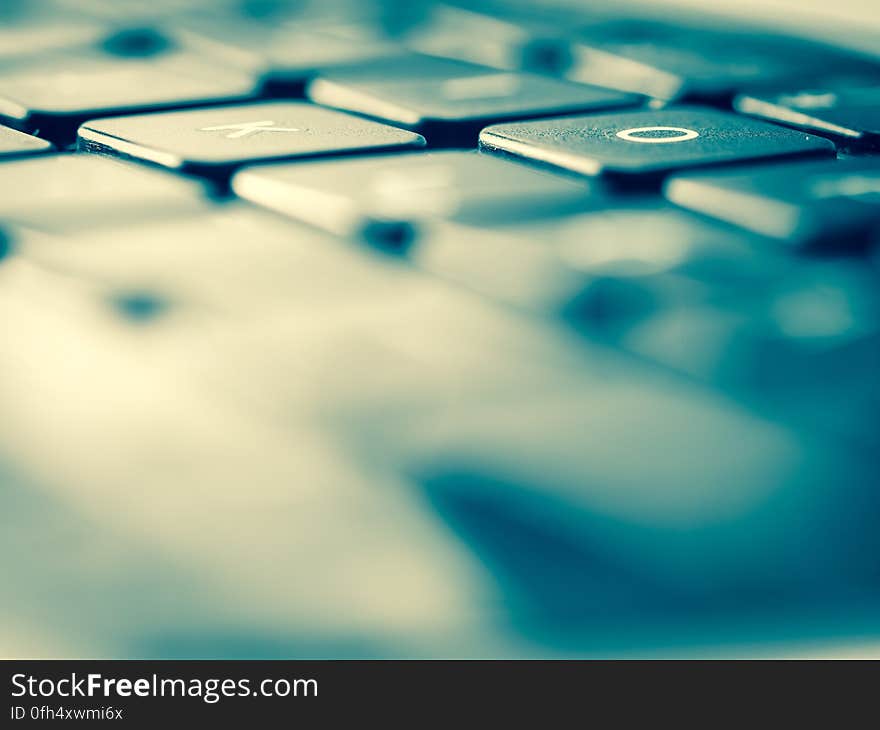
[{"x": 424, "y": 66}]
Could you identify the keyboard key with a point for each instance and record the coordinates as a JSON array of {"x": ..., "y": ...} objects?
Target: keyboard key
[
  {"x": 831, "y": 204},
  {"x": 450, "y": 32},
  {"x": 669, "y": 61},
  {"x": 383, "y": 199},
  {"x": 56, "y": 97},
  {"x": 29, "y": 41},
  {"x": 14, "y": 144},
  {"x": 820, "y": 323},
  {"x": 409, "y": 67},
  {"x": 648, "y": 144},
  {"x": 286, "y": 55},
  {"x": 851, "y": 116},
  {"x": 214, "y": 141},
  {"x": 239, "y": 259},
  {"x": 66, "y": 193},
  {"x": 453, "y": 109},
  {"x": 602, "y": 268}
]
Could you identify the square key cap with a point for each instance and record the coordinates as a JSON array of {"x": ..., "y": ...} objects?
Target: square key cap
[
  {"x": 817, "y": 330},
  {"x": 851, "y": 116},
  {"x": 15, "y": 144},
  {"x": 648, "y": 144},
  {"x": 27, "y": 41},
  {"x": 216, "y": 140},
  {"x": 56, "y": 97},
  {"x": 504, "y": 36},
  {"x": 67, "y": 193},
  {"x": 287, "y": 54},
  {"x": 405, "y": 66},
  {"x": 832, "y": 203},
  {"x": 605, "y": 267},
  {"x": 675, "y": 61},
  {"x": 454, "y": 108},
  {"x": 384, "y": 199}
]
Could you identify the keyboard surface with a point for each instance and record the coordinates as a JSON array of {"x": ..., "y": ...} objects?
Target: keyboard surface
[{"x": 467, "y": 329}]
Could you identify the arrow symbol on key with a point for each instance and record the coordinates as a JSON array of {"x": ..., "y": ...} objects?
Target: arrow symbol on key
[{"x": 245, "y": 128}]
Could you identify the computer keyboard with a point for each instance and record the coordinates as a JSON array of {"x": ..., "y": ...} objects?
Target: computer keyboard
[{"x": 486, "y": 329}]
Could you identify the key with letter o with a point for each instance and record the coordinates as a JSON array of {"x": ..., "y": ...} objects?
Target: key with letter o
[{"x": 643, "y": 146}]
